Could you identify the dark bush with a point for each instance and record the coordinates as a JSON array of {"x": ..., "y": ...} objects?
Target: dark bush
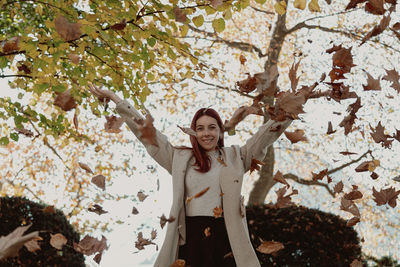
[
  {"x": 385, "y": 261},
  {"x": 311, "y": 237},
  {"x": 16, "y": 211}
]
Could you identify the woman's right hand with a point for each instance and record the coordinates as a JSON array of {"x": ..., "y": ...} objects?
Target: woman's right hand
[{"x": 103, "y": 95}]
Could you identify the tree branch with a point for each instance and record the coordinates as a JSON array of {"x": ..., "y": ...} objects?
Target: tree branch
[
  {"x": 224, "y": 88},
  {"x": 263, "y": 11}
]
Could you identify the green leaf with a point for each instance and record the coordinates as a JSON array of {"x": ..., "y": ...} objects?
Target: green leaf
[
  {"x": 58, "y": 88},
  {"x": 171, "y": 54},
  {"x": 4, "y": 141},
  {"x": 3, "y": 62},
  {"x": 151, "y": 41},
  {"x": 198, "y": 20},
  {"x": 218, "y": 24},
  {"x": 14, "y": 136},
  {"x": 40, "y": 88}
]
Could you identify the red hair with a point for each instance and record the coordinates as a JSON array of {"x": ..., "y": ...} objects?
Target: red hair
[{"x": 203, "y": 161}]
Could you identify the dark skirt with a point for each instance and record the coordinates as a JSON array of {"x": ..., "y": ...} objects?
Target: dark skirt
[{"x": 207, "y": 243}]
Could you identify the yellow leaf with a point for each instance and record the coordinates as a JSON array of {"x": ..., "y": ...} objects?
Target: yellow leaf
[
  {"x": 198, "y": 20},
  {"x": 313, "y": 6},
  {"x": 300, "y": 4},
  {"x": 218, "y": 24},
  {"x": 280, "y": 7},
  {"x": 373, "y": 164},
  {"x": 184, "y": 30}
]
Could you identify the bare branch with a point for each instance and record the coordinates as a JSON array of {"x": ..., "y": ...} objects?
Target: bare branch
[
  {"x": 308, "y": 182},
  {"x": 349, "y": 163},
  {"x": 224, "y": 88},
  {"x": 263, "y": 11}
]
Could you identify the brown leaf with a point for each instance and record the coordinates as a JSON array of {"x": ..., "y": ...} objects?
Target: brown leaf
[
  {"x": 279, "y": 178},
  {"x": 58, "y": 241},
  {"x": 242, "y": 59},
  {"x": 290, "y": 104},
  {"x": 353, "y": 221},
  {"x": 379, "y": 136},
  {"x": 74, "y": 58},
  {"x": 296, "y": 136},
  {"x": 388, "y": 195},
  {"x": 10, "y": 45},
  {"x": 90, "y": 245},
  {"x": 49, "y": 209},
  {"x": 241, "y": 113},
  {"x": 97, "y": 258},
  {"x": 282, "y": 200},
  {"x": 216, "y": 3},
  {"x": 340, "y": 91},
  {"x": 178, "y": 263},
  {"x": 24, "y": 131},
  {"x": 153, "y": 234},
  {"x": 349, "y": 206},
  {"x": 135, "y": 211},
  {"x": 356, "y": 263},
  {"x": 207, "y": 232},
  {"x": 372, "y": 84},
  {"x": 11, "y": 244},
  {"x": 254, "y": 165},
  {"x": 99, "y": 181},
  {"x": 148, "y": 131},
  {"x": 394, "y": 77},
  {"x": 188, "y": 131},
  {"x": 33, "y": 245},
  {"x": 374, "y": 175},
  {"x": 342, "y": 61},
  {"x": 378, "y": 29},
  {"x": 218, "y": 212},
  {"x": 348, "y": 153},
  {"x": 97, "y": 209},
  {"x": 375, "y": 7},
  {"x": 75, "y": 120},
  {"x": 164, "y": 220},
  {"x": 353, "y": 3},
  {"x": 294, "y": 80},
  {"x": 113, "y": 124},
  {"x": 67, "y": 30},
  {"x": 85, "y": 167},
  {"x": 180, "y": 14},
  {"x": 248, "y": 85},
  {"x": 65, "y": 101},
  {"x": 141, "y": 196},
  {"x": 141, "y": 242},
  {"x": 353, "y": 195},
  {"x": 320, "y": 175},
  {"x": 338, "y": 187},
  {"x": 269, "y": 247},
  {"x": 119, "y": 26},
  {"x": 347, "y": 123},
  {"x": 330, "y": 128}
]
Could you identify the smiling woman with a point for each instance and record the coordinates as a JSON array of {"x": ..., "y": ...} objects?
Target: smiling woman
[{"x": 207, "y": 223}]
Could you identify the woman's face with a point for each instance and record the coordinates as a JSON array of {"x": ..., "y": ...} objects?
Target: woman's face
[{"x": 208, "y": 132}]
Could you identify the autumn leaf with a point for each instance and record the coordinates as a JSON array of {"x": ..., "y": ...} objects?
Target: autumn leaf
[
  {"x": 342, "y": 61},
  {"x": 291, "y": 104},
  {"x": 354, "y": 3},
  {"x": 248, "y": 85},
  {"x": 313, "y": 6},
  {"x": 279, "y": 178},
  {"x": 65, "y": 101},
  {"x": 49, "y": 209},
  {"x": 300, "y": 4},
  {"x": 153, "y": 234},
  {"x": 338, "y": 188},
  {"x": 218, "y": 212},
  {"x": 239, "y": 115},
  {"x": 10, "y": 45},
  {"x": 58, "y": 241},
  {"x": 178, "y": 263},
  {"x": 282, "y": 200},
  {"x": 141, "y": 196},
  {"x": 199, "y": 194},
  {"x": 375, "y": 7},
  {"x": 75, "y": 119},
  {"x": 349, "y": 206},
  {"x": 255, "y": 165},
  {"x": 388, "y": 195},
  {"x": 141, "y": 242},
  {"x": 269, "y": 247},
  {"x": 11, "y": 244},
  {"x": 99, "y": 181},
  {"x": 394, "y": 77},
  {"x": 164, "y": 220},
  {"x": 353, "y": 195},
  {"x": 378, "y": 29},
  {"x": 353, "y": 221},
  {"x": 26, "y": 132},
  {"x": 97, "y": 258},
  {"x": 280, "y": 7},
  {"x": 119, "y": 26},
  {"x": 320, "y": 175},
  {"x": 372, "y": 84},
  {"x": 242, "y": 59},
  {"x": 113, "y": 124},
  {"x": 85, "y": 167},
  {"x": 294, "y": 80},
  {"x": 216, "y": 3},
  {"x": 367, "y": 166},
  {"x": 67, "y": 30},
  {"x": 379, "y": 136},
  {"x": 330, "y": 128},
  {"x": 348, "y": 153},
  {"x": 347, "y": 123},
  {"x": 97, "y": 209},
  {"x": 180, "y": 15},
  {"x": 374, "y": 175},
  {"x": 135, "y": 211},
  {"x": 74, "y": 58},
  {"x": 188, "y": 131},
  {"x": 207, "y": 232},
  {"x": 340, "y": 91},
  {"x": 90, "y": 245},
  {"x": 296, "y": 136},
  {"x": 33, "y": 245},
  {"x": 148, "y": 132}
]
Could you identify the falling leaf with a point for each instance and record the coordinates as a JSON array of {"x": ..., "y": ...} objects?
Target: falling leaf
[
  {"x": 338, "y": 187},
  {"x": 375, "y": 7},
  {"x": 142, "y": 242},
  {"x": 353, "y": 195},
  {"x": 178, "y": 263},
  {"x": 342, "y": 61},
  {"x": 313, "y": 6},
  {"x": 239, "y": 115},
  {"x": 135, "y": 211},
  {"x": 397, "y": 178},
  {"x": 374, "y": 175},
  {"x": 242, "y": 59},
  {"x": 269, "y": 247},
  {"x": 294, "y": 80},
  {"x": 394, "y": 77},
  {"x": 164, "y": 220},
  {"x": 90, "y": 245},
  {"x": 141, "y": 196},
  {"x": 255, "y": 165},
  {"x": 188, "y": 131},
  {"x": 353, "y": 221},
  {"x": 85, "y": 167},
  {"x": 97, "y": 209},
  {"x": 180, "y": 15},
  {"x": 300, "y": 4},
  {"x": 349, "y": 206},
  {"x": 296, "y": 136},
  {"x": 348, "y": 153},
  {"x": 330, "y": 128},
  {"x": 58, "y": 241},
  {"x": 119, "y": 26},
  {"x": 207, "y": 232},
  {"x": 99, "y": 181},
  {"x": 282, "y": 200},
  {"x": 388, "y": 195},
  {"x": 33, "y": 245},
  {"x": 153, "y": 234},
  {"x": 97, "y": 258},
  {"x": 75, "y": 120},
  {"x": 24, "y": 131},
  {"x": 113, "y": 124},
  {"x": 279, "y": 178},
  {"x": 199, "y": 194},
  {"x": 218, "y": 212},
  {"x": 320, "y": 175},
  {"x": 378, "y": 29},
  {"x": 372, "y": 84},
  {"x": 65, "y": 101},
  {"x": 10, "y": 45},
  {"x": 148, "y": 132},
  {"x": 11, "y": 244},
  {"x": 67, "y": 30},
  {"x": 74, "y": 58},
  {"x": 248, "y": 85}
]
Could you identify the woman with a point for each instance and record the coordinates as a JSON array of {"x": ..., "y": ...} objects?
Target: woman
[{"x": 211, "y": 229}]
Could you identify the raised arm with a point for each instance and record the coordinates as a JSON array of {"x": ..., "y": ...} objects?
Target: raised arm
[
  {"x": 163, "y": 151},
  {"x": 256, "y": 146}
]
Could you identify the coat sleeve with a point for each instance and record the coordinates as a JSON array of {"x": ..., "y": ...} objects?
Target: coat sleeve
[
  {"x": 163, "y": 153},
  {"x": 256, "y": 146}
]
